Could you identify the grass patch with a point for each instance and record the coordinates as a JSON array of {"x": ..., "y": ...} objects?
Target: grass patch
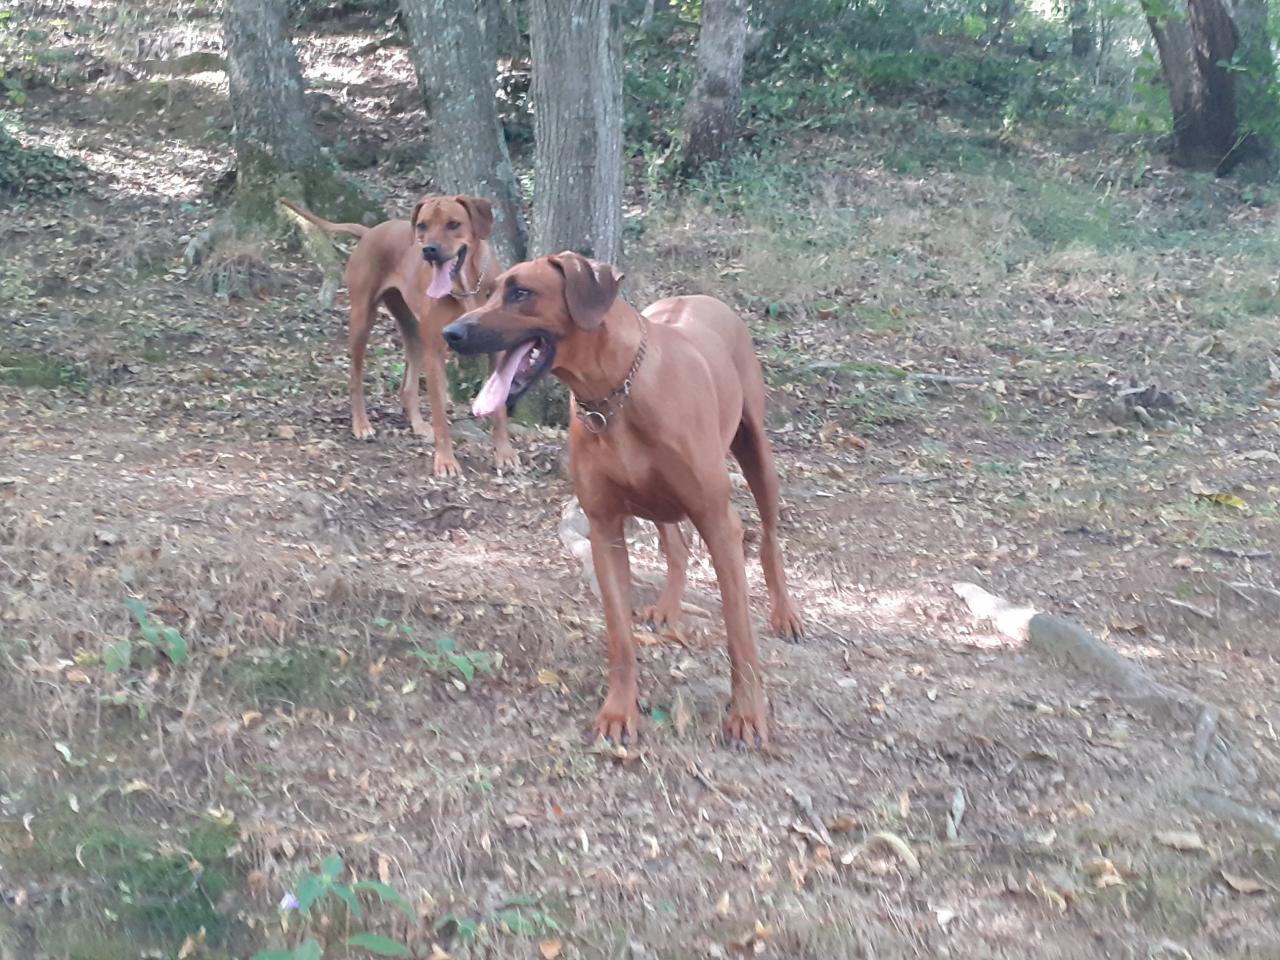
[
  {"x": 132, "y": 882},
  {"x": 27, "y": 369},
  {"x": 298, "y": 677}
]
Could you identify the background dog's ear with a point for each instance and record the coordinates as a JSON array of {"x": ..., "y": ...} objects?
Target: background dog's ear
[
  {"x": 413, "y": 217},
  {"x": 480, "y": 211},
  {"x": 590, "y": 287}
]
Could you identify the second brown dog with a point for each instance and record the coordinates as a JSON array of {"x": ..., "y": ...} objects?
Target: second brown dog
[{"x": 427, "y": 271}]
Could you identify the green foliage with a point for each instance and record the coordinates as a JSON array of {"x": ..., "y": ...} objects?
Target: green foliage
[
  {"x": 37, "y": 369},
  {"x": 324, "y": 889},
  {"x": 293, "y": 676},
  {"x": 447, "y": 659},
  {"x": 165, "y": 887},
  {"x": 34, "y": 171},
  {"x": 163, "y": 639}
]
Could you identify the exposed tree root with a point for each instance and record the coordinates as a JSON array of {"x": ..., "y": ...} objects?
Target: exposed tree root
[{"x": 1074, "y": 650}]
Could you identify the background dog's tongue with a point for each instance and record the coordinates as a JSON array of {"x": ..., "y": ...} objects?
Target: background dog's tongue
[
  {"x": 495, "y": 390},
  {"x": 441, "y": 283}
]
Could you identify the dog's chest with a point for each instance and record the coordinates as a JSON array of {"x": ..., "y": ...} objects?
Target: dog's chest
[{"x": 638, "y": 484}]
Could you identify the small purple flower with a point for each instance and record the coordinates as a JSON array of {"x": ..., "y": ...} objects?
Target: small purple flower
[{"x": 289, "y": 902}]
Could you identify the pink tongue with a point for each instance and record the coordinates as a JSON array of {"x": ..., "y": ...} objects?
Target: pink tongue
[
  {"x": 495, "y": 390},
  {"x": 441, "y": 283}
]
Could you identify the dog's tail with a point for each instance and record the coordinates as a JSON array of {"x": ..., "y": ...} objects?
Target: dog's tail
[{"x": 354, "y": 229}]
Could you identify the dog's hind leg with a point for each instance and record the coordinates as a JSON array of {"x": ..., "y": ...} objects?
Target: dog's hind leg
[
  {"x": 751, "y": 449},
  {"x": 363, "y": 311},
  {"x": 666, "y": 612}
]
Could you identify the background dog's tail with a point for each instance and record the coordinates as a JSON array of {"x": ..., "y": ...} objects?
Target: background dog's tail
[{"x": 355, "y": 229}]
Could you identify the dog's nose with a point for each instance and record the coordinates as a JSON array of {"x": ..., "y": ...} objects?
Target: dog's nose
[
  {"x": 455, "y": 333},
  {"x": 430, "y": 252}
]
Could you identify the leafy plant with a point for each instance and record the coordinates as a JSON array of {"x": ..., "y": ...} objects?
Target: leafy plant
[
  {"x": 446, "y": 659},
  {"x": 156, "y": 638},
  {"x": 324, "y": 885}
]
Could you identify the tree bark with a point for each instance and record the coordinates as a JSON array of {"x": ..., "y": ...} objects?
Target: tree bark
[
  {"x": 1081, "y": 29},
  {"x": 711, "y": 115},
  {"x": 501, "y": 31},
  {"x": 1259, "y": 111},
  {"x": 277, "y": 151},
  {"x": 456, "y": 70},
  {"x": 577, "y": 98},
  {"x": 1202, "y": 93}
]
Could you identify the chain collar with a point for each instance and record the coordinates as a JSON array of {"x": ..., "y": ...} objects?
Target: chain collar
[
  {"x": 595, "y": 414},
  {"x": 473, "y": 291},
  {"x": 462, "y": 294}
]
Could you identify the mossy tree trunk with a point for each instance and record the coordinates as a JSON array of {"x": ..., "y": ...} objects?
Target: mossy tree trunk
[
  {"x": 1081, "y": 23},
  {"x": 1198, "y": 57},
  {"x": 577, "y": 97},
  {"x": 456, "y": 69},
  {"x": 711, "y": 115},
  {"x": 277, "y": 150}
]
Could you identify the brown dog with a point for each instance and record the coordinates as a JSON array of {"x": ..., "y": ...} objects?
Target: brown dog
[
  {"x": 426, "y": 271},
  {"x": 660, "y": 399}
]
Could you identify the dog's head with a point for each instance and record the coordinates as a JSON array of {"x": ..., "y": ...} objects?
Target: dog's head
[
  {"x": 534, "y": 307},
  {"x": 448, "y": 229}
]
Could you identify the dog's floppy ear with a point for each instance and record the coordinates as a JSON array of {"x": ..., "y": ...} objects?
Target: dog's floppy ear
[
  {"x": 590, "y": 287},
  {"x": 413, "y": 217},
  {"x": 480, "y": 211}
]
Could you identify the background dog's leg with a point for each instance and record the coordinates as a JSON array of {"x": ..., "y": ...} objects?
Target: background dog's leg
[
  {"x": 446, "y": 464},
  {"x": 362, "y": 314},
  {"x": 619, "y": 718},
  {"x": 504, "y": 455}
]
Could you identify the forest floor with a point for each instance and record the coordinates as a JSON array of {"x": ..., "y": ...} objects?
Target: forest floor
[{"x": 937, "y": 787}]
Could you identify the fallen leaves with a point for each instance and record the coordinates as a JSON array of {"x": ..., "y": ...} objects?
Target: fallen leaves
[
  {"x": 1183, "y": 840},
  {"x": 550, "y": 948},
  {"x": 1241, "y": 884}
]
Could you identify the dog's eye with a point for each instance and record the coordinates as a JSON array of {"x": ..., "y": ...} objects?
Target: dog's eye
[
  {"x": 516, "y": 294},
  {"x": 453, "y": 225}
]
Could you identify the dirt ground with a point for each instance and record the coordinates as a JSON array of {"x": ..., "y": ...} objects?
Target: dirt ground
[{"x": 951, "y": 407}]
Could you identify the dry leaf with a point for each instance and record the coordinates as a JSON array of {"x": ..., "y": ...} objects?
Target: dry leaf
[
  {"x": 548, "y": 678},
  {"x": 722, "y": 907},
  {"x": 1180, "y": 840},
  {"x": 898, "y": 846},
  {"x": 550, "y": 948},
  {"x": 1103, "y": 872},
  {"x": 1242, "y": 884},
  {"x": 681, "y": 713}
]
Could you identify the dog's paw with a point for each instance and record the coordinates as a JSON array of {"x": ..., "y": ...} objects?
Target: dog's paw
[
  {"x": 662, "y": 616},
  {"x": 361, "y": 429},
  {"x": 745, "y": 723},
  {"x": 506, "y": 458},
  {"x": 446, "y": 465},
  {"x": 619, "y": 720},
  {"x": 786, "y": 623}
]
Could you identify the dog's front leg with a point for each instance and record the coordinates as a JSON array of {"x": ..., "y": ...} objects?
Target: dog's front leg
[
  {"x": 504, "y": 454},
  {"x": 746, "y": 723},
  {"x": 446, "y": 465},
  {"x": 619, "y": 719}
]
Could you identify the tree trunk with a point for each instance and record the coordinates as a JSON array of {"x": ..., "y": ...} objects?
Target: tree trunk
[
  {"x": 277, "y": 151},
  {"x": 456, "y": 70},
  {"x": 1259, "y": 111},
  {"x": 1003, "y": 18},
  {"x": 711, "y": 115},
  {"x": 501, "y": 31},
  {"x": 577, "y": 104},
  {"x": 1081, "y": 29},
  {"x": 1201, "y": 93}
]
